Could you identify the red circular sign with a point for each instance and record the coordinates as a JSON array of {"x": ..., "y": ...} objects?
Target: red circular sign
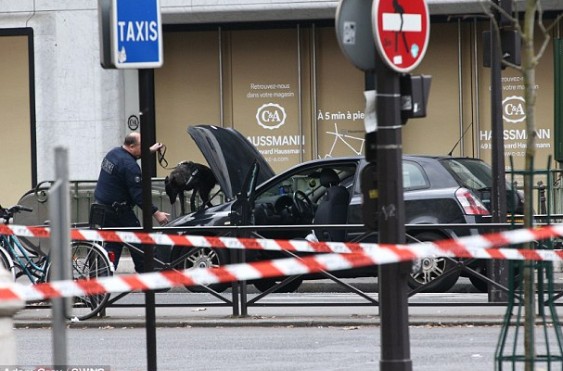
[{"x": 402, "y": 29}]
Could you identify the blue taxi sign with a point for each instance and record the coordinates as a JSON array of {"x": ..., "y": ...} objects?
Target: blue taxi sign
[{"x": 136, "y": 34}]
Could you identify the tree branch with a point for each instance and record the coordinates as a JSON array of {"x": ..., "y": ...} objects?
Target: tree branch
[
  {"x": 511, "y": 65},
  {"x": 543, "y": 47},
  {"x": 545, "y": 31},
  {"x": 555, "y": 22}
]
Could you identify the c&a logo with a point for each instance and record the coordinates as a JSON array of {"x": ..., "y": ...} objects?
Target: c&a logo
[
  {"x": 271, "y": 116},
  {"x": 514, "y": 109}
]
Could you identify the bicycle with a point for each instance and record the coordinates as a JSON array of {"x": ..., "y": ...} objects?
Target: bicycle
[{"x": 23, "y": 258}]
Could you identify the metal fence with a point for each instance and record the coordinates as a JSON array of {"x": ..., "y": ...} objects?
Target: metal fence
[{"x": 82, "y": 195}]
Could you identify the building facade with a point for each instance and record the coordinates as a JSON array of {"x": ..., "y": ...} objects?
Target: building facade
[{"x": 270, "y": 69}]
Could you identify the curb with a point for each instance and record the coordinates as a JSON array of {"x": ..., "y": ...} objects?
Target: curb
[{"x": 252, "y": 321}]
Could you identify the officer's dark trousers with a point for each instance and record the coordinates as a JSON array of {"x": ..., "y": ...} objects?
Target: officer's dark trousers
[{"x": 125, "y": 218}]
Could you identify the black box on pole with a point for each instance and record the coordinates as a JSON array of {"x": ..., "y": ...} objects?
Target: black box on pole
[{"x": 415, "y": 91}]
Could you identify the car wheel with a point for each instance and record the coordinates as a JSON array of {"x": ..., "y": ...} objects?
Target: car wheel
[
  {"x": 483, "y": 286},
  {"x": 266, "y": 284},
  {"x": 206, "y": 257},
  {"x": 430, "y": 273},
  {"x": 479, "y": 284}
]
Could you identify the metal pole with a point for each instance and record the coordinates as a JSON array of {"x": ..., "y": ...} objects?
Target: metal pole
[
  {"x": 393, "y": 299},
  {"x": 8, "y": 309},
  {"x": 147, "y": 105},
  {"x": 59, "y": 214},
  {"x": 498, "y": 269}
]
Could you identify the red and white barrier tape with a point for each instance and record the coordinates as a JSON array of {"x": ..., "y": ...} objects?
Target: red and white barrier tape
[
  {"x": 462, "y": 246},
  {"x": 251, "y": 271},
  {"x": 343, "y": 256}
]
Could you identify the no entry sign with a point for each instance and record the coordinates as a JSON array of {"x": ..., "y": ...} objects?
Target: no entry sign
[{"x": 402, "y": 30}]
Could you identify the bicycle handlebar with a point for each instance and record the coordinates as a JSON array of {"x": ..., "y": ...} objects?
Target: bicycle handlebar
[
  {"x": 7, "y": 214},
  {"x": 23, "y": 208}
]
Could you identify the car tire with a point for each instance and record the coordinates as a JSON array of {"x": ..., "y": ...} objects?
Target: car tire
[
  {"x": 483, "y": 286},
  {"x": 204, "y": 258},
  {"x": 430, "y": 273},
  {"x": 479, "y": 284},
  {"x": 266, "y": 284}
]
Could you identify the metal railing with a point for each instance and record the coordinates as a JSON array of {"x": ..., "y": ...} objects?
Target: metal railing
[
  {"x": 239, "y": 299},
  {"x": 82, "y": 196}
]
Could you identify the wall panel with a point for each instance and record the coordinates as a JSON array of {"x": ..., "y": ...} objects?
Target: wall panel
[{"x": 15, "y": 126}]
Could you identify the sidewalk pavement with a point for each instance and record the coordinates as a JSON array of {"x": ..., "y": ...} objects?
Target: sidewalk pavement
[
  {"x": 424, "y": 310},
  {"x": 272, "y": 317}
]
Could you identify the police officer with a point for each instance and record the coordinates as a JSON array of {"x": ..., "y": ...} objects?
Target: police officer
[{"x": 119, "y": 189}]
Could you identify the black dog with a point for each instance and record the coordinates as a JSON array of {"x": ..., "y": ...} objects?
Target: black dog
[{"x": 190, "y": 176}]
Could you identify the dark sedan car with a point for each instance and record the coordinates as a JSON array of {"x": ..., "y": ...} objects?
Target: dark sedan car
[{"x": 437, "y": 190}]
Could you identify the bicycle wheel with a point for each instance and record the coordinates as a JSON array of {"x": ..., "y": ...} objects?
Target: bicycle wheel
[
  {"x": 89, "y": 261},
  {"x": 7, "y": 263}
]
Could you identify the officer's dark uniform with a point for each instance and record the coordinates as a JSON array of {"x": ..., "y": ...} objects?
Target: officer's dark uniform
[{"x": 119, "y": 189}]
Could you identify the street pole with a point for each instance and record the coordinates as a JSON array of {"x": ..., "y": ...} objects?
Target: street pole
[
  {"x": 393, "y": 298},
  {"x": 59, "y": 214},
  {"x": 498, "y": 269},
  {"x": 147, "y": 106}
]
